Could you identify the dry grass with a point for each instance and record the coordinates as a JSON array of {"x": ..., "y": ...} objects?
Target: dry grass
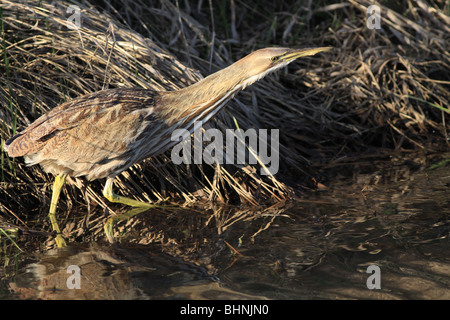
[{"x": 385, "y": 88}]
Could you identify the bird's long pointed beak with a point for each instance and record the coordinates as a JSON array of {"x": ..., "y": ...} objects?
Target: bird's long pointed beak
[{"x": 297, "y": 53}]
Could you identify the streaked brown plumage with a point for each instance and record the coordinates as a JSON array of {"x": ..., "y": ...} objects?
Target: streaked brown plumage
[
  {"x": 99, "y": 135},
  {"x": 96, "y": 135}
]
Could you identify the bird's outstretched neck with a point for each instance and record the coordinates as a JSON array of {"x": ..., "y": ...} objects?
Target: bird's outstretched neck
[{"x": 205, "y": 98}]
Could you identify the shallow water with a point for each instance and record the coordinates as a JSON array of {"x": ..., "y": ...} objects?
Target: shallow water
[{"x": 317, "y": 248}]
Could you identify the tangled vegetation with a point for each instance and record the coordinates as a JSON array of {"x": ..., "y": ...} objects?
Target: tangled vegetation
[{"x": 377, "y": 91}]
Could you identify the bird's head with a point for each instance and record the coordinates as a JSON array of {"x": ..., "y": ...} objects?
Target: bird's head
[{"x": 263, "y": 61}]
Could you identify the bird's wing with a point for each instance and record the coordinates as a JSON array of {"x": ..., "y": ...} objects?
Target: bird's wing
[{"x": 90, "y": 107}]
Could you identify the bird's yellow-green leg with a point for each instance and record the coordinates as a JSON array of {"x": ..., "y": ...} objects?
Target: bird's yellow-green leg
[
  {"x": 111, "y": 196},
  {"x": 57, "y": 185}
]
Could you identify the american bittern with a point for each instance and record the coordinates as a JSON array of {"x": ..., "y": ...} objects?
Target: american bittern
[{"x": 99, "y": 135}]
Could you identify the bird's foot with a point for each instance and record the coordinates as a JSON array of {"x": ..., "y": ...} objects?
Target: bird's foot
[{"x": 60, "y": 242}]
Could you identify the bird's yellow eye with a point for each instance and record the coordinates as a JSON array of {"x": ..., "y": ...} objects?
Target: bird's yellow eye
[{"x": 274, "y": 58}]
